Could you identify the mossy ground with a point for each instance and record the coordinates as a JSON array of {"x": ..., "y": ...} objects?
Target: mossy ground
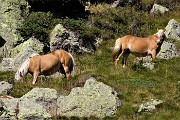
[{"x": 136, "y": 83}]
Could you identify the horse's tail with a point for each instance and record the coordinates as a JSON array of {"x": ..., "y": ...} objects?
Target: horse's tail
[
  {"x": 71, "y": 65},
  {"x": 117, "y": 49}
]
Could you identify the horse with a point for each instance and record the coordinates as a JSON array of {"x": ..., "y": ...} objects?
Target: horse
[
  {"x": 47, "y": 64},
  {"x": 142, "y": 46}
]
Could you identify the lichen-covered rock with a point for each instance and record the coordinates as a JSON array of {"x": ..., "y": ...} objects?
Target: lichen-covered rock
[
  {"x": 6, "y": 64},
  {"x": 149, "y": 106},
  {"x": 167, "y": 51},
  {"x": 30, "y": 44},
  {"x": 61, "y": 38},
  {"x": 44, "y": 97},
  {"x": 10, "y": 106},
  {"x": 94, "y": 99},
  {"x": 12, "y": 14},
  {"x": 30, "y": 110},
  {"x": 172, "y": 30},
  {"x": 5, "y": 88},
  {"x": 158, "y": 9}
]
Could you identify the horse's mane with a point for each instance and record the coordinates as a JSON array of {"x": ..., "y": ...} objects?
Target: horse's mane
[{"x": 22, "y": 71}]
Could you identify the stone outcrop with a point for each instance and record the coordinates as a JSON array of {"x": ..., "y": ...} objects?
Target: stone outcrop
[
  {"x": 167, "y": 51},
  {"x": 158, "y": 9},
  {"x": 12, "y": 14},
  {"x": 94, "y": 99},
  {"x": 31, "y": 44},
  {"x": 172, "y": 30},
  {"x": 5, "y": 88},
  {"x": 61, "y": 38}
]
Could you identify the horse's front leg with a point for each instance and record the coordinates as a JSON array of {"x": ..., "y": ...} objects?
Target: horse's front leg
[
  {"x": 35, "y": 75},
  {"x": 153, "y": 54}
]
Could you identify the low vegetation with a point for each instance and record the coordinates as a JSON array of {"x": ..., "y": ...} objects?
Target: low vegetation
[{"x": 136, "y": 83}]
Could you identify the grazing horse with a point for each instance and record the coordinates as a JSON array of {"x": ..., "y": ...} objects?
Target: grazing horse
[
  {"x": 47, "y": 64},
  {"x": 137, "y": 46}
]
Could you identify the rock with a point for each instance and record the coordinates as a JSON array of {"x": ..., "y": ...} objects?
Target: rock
[
  {"x": 44, "y": 98},
  {"x": 172, "y": 30},
  {"x": 61, "y": 38},
  {"x": 12, "y": 14},
  {"x": 10, "y": 108},
  {"x": 158, "y": 9},
  {"x": 94, "y": 99},
  {"x": 167, "y": 51},
  {"x": 5, "y": 88},
  {"x": 31, "y": 110},
  {"x": 149, "y": 106},
  {"x": 6, "y": 64},
  {"x": 30, "y": 44}
]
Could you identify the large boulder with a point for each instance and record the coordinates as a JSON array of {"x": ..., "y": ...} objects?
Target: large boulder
[
  {"x": 167, "y": 51},
  {"x": 12, "y": 14},
  {"x": 6, "y": 64},
  {"x": 158, "y": 9},
  {"x": 94, "y": 99},
  {"x": 44, "y": 97},
  {"x": 61, "y": 38},
  {"x": 31, "y": 44},
  {"x": 172, "y": 30},
  {"x": 10, "y": 108},
  {"x": 5, "y": 88}
]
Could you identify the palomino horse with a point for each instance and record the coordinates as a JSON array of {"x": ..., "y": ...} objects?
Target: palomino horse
[
  {"x": 47, "y": 64},
  {"x": 138, "y": 46}
]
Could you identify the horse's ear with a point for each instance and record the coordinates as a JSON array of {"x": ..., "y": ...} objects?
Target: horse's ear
[{"x": 157, "y": 29}]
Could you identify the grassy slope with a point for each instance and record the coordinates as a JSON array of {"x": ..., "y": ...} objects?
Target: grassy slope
[{"x": 136, "y": 84}]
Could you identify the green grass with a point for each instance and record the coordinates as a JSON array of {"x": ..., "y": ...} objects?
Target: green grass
[{"x": 136, "y": 86}]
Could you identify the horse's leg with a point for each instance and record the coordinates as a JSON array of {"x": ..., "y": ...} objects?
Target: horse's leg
[
  {"x": 153, "y": 54},
  {"x": 125, "y": 58},
  {"x": 35, "y": 75},
  {"x": 66, "y": 68}
]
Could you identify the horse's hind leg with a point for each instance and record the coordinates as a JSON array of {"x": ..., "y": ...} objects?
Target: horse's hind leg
[{"x": 125, "y": 58}]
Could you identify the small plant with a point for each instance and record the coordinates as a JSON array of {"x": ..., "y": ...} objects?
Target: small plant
[{"x": 37, "y": 25}]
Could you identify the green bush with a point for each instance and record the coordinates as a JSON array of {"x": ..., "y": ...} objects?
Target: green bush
[{"x": 37, "y": 24}]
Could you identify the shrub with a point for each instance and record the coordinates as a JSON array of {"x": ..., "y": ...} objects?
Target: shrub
[{"x": 37, "y": 24}]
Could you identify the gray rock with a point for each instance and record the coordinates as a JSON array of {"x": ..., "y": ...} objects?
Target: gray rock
[
  {"x": 94, "y": 99},
  {"x": 167, "y": 51},
  {"x": 10, "y": 106},
  {"x": 5, "y": 88},
  {"x": 32, "y": 44},
  {"x": 158, "y": 9},
  {"x": 172, "y": 30},
  {"x": 29, "y": 110},
  {"x": 149, "y": 106},
  {"x": 61, "y": 38},
  {"x": 12, "y": 14},
  {"x": 45, "y": 99},
  {"x": 6, "y": 64}
]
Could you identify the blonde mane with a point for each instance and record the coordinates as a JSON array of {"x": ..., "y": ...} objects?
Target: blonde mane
[{"x": 22, "y": 71}]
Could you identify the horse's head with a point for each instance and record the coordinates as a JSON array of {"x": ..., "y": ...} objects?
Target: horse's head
[
  {"x": 161, "y": 35},
  {"x": 23, "y": 70}
]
